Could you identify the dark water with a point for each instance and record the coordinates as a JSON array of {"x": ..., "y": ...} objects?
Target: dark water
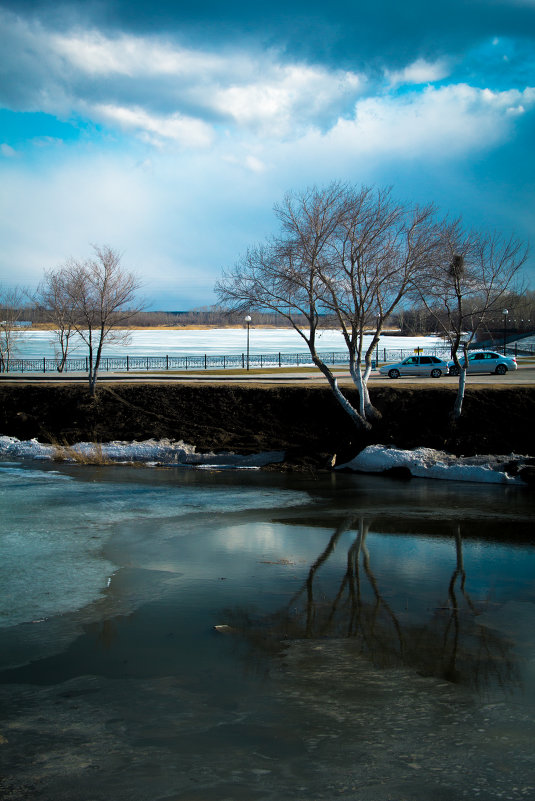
[{"x": 264, "y": 636}]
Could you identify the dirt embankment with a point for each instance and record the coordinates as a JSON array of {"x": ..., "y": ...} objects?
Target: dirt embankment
[{"x": 305, "y": 421}]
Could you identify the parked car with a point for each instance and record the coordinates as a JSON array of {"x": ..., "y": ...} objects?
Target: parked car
[
  {"x": 485, "y": 361},
  {"x": 416, "y": 365}
]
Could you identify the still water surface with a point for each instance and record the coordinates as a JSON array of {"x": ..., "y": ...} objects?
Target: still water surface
[{"x": 375, "y": 639}]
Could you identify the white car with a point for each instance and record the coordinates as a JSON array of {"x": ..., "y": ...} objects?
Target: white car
[
  {"x": 485, "y": 361},
  {"x": 416, "y": 365}
]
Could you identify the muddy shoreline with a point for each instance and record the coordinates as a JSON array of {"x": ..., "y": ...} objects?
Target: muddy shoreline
[{"x": 306, "y": 422}]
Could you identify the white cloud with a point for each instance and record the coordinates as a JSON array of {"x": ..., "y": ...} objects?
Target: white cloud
[
  {"x": 156, "y": 86},
  {"x": 287, "y": 97},
  {"x": 186, "y": 131},
  {"x": 93, "y": 53},
  {"x": 167, "y": 94},
  {"x": 207, "y": 141},
  {"x": 440, "y": 123},
  {"x": 515, "y": 111},
  {"x": 420, "y": 71}
]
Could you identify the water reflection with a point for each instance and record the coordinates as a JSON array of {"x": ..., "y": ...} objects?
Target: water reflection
[{"x": 435, "y": 634}]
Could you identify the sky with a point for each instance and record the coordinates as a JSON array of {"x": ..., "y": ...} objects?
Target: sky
[{"x": 169, "y": 130}]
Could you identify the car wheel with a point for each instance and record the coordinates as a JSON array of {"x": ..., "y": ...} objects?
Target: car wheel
[
  {"x": 454, "y": 371},
  {"x": 436, "y": 373},
  {"x": 501, "y": 369},
  {"x": 393, "y": 373}
]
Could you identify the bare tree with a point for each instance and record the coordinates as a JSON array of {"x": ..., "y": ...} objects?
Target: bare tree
[
  {"x": 379, "y": 247},
  {"x": 98, "y": 298},
  {"x": 345, "y": 257},
  {"x": 54, "y": 298},
  {"x": 12, "y": 302},
  {"x": 466, "y": 285},
  {"x": 285, "y": 275}
]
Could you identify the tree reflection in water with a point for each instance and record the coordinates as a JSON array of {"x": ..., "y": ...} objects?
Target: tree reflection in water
[{"x": 444, "y": 641}]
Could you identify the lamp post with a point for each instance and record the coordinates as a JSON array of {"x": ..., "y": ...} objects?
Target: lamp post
[
  {"x": 248, "y": 321},
  {"x": 505, "y": 313}
]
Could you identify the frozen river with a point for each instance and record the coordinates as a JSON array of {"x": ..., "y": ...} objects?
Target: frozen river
[
  {"x": 224, "y": 341},
  {"x": 204, "y": 634}
]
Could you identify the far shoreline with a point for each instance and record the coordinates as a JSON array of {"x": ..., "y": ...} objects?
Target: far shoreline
[{"x": 221, "y": 326}]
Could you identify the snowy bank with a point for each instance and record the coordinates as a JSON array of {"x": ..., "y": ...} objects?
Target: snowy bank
[
  {"x": 418, "y": 463},
  {"x": 429, "y": 463},
  {"x": 150, "y": 452}
]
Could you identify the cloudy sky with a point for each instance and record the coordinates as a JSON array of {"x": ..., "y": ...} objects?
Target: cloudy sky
[{"x": 168, "y": 130}]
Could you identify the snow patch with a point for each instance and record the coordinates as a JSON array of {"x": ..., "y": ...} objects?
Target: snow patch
[
  {"x": 429, "y": 463},
  {"x": 149, "y": 452}
]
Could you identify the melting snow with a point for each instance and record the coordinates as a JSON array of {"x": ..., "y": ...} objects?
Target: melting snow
[
  {"x": 150, "y": 451},
  {"x": 429, "y": 463},
  {"x": 421, "y": 462}
]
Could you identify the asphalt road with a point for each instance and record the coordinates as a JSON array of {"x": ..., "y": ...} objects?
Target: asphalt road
[{"x": 522, "y": 376}]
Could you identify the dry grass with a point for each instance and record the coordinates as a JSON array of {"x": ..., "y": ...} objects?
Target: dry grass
[{"x": 69, "y": 453}]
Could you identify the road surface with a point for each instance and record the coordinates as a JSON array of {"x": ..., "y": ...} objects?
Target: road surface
[{"x": 522, "y": 376}]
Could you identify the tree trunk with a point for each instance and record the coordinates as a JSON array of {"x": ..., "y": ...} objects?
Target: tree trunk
[
  {"x": 63, "y": 340},
  {"x": 358, "y": 420},
  {"x": 93, "y": 383},
  {"x": 458, "y": 407},
  {"x": 93, "y": 368},
  {"x": 61, "y": 362},
  {"x": 366, "y": 408}
]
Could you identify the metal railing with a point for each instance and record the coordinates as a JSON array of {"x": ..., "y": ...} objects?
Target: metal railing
[{"x": 204, "y": 361}]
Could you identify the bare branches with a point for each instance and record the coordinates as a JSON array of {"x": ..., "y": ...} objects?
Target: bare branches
[
  {"x": 466, "y": 283},
  {"x": 348, "y": 254},
  {"x": 54, "y": 297},
  {"x": 286, "y": 275},
  {"x": 12, "y": 302},
  {"x": 93, "y": 298},
  {"x": 354, "y": 255}
]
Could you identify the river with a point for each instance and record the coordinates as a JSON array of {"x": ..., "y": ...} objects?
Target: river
[
  {"x": 223, "y": 341},
  {"x": 181, "y": 634}
]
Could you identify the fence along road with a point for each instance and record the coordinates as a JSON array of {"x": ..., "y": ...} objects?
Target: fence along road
[
  {"x": 525, "y": 376},
  {"x": 205, "y": 361}
]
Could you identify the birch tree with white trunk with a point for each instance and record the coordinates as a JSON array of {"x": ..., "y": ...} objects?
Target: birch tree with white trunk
[
  {"x": 285, "y": 274},
  {"x": 344, "y": 257},
  {"x": 380, "y": 247}
]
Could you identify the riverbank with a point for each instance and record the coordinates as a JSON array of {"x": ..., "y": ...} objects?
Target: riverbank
[{"x": 305, "y": 422}]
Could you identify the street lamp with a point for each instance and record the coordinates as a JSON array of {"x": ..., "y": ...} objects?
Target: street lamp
[
  {"x": 505, "y": 313},
  {"x": 248, "y": 321}
]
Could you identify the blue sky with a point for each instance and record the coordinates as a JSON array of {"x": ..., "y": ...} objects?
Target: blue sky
[{"x": 168, "y": 131}]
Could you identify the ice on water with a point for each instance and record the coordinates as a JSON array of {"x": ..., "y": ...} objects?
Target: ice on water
[
  {"x": 55, "y": 526},
  {"x": 50, "y": 563},
  {"x": 225, "y": 341}
]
